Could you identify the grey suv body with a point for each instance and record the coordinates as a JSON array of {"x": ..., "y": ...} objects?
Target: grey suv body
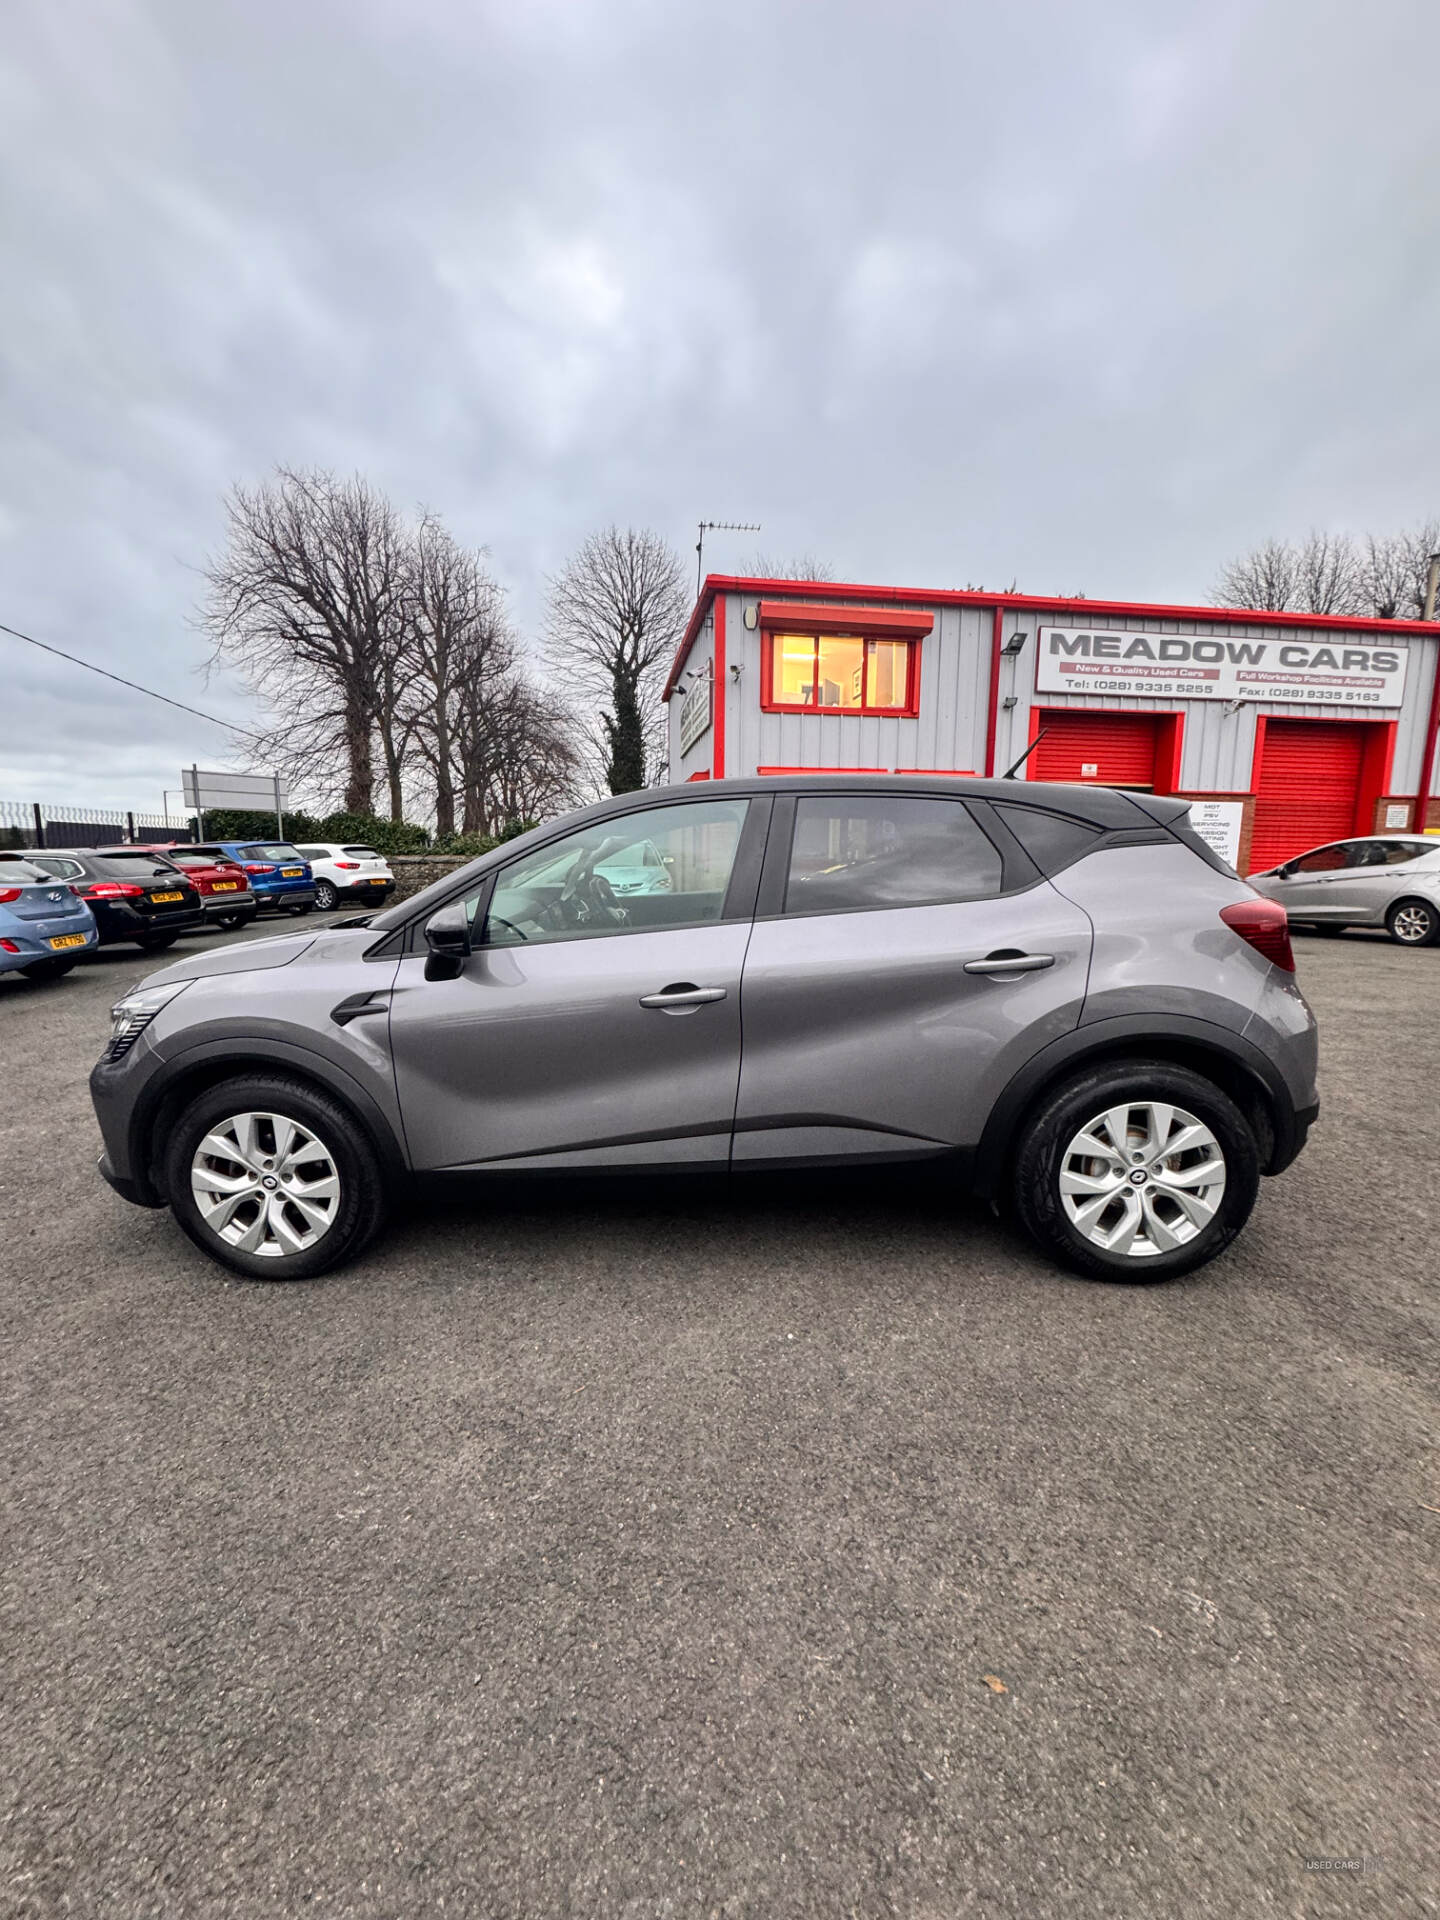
[{"x": 1058, "y": 991}]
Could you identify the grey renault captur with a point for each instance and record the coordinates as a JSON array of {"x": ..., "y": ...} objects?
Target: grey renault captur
[{"x": 1060, "y": 993}]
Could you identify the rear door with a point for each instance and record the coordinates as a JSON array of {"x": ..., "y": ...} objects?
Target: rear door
[
  {"x": 1306, "y": 891},
  {"x": 893, "y": 984},
  {"x": 585, "y": 1029}
]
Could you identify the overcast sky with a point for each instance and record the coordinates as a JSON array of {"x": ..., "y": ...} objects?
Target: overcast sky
[{"x": 1088, "y": 297}]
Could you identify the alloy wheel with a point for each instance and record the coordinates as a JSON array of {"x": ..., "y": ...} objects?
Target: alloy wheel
[
  {"x": 1413, "y": 923},
  {"x": 1142, "y": 1179},
  {"x": 265, "y": 1185}
]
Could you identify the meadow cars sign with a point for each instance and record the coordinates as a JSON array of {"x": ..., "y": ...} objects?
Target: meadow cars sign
[{"x": 1335, "y": 671}]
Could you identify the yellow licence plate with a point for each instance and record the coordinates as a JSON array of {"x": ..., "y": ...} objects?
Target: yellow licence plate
[
  {"x": 225, "y": 886},
  {"x": 68, "y": 940},
  {"x": 160, "y": 899},
  {"x": 291, "y": 873},
  {"x": 376, "y": 882}
]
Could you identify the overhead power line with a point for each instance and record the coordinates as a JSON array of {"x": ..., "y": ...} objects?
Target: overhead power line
[{"x": 244, "y": 733}]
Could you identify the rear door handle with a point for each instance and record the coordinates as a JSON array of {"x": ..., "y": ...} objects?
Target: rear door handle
[
  {"x": 1003, "y": 963},
  {"x": 676, "y": 998}
]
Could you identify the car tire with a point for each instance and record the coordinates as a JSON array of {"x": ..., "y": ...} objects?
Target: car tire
[
  {"x": 156, "y": 942},
  {"x": 1413, "y": 923},
  {"x": 327, "y": 897},
  {"x": 228, "y": 922},
  {"x": 249, "y": 1110},
  {"x": 42, "y": 971},
  {"x": 1054, "y": 1179}
]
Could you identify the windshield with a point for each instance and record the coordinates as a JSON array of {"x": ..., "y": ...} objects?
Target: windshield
[{"x": 134, "y": 866}]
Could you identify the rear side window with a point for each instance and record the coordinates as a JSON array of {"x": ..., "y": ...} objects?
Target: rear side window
[
  {"x": 853, "y": 851},
  {"x": 1052, "y": 840},
  {"x": 61, "y": 869},
  {"x": 312, "y": 853},
  {"x": 132, "y": 866}
]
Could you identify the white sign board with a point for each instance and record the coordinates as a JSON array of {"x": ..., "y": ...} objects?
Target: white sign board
[
  {"x": 697, "y": 712},
  {"x": 260, "y": 792},
  {"x": 1218, "y": 824},
  {"x": 1331, "y": 670},
  {"x": 1398, "y": 816}
]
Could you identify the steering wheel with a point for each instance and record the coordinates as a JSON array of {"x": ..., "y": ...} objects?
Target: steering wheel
[{"x": 499, "y": 920}]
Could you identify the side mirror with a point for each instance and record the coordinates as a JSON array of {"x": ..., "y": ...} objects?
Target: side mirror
[{"x": 447, "y": 935}]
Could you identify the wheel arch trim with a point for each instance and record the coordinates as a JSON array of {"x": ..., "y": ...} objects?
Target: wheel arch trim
[
  {"x": 205, "y": 1065},
  {"x": 1179, "y": 1039}
]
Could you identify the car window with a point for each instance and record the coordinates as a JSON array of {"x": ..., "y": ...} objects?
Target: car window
[
  {"x": 360, "y": 853},
  {"x": 22, "y": 873},
  {"x": 1395, "y": 853},
  {"x": 1052, "y": 840},
  {"x": 853, "y": 851},
  {"x": 133, "y": 866},
  {"x": 270, "y": 850},
  {"x": 1322, "y": 860},
  {"x": 596, "y": 881},
  {"x": 58, "y": 869},
  {"x": 312, "y": 853}
]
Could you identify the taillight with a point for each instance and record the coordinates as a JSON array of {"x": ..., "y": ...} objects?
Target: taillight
[
  {"x": 8, "y": 946},
  {"x": 7, "y": 894},
  {"x": 249, "y": 868},
  {"x": 1265, "y": 925},
  {"x": 350, "y": 866},
  {"x": 113, "y": 890}
]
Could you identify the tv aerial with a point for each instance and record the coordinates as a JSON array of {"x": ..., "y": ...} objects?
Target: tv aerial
[{"x": 717, "y": 526}]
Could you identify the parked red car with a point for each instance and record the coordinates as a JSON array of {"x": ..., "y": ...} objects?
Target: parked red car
[{"x": 223, "y": 885}]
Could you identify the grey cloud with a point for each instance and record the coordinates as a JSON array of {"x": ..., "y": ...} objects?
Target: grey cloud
[{"x": 1087, "y": 297}]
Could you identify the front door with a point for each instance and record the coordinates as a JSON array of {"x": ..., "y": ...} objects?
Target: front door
[
  {"x": 897, "y": 987},
  {"x": 587, "y": 1029},
  {"x": 1306, "y": 889}
]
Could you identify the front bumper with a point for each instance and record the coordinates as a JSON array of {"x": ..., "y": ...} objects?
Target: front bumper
[{"x": 138, "y": 1194}]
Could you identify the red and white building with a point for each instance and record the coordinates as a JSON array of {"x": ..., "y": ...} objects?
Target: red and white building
[{"x": 1292, "y": 728}]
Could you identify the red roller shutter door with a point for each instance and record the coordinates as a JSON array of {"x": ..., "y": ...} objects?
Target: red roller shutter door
[
  {"x": 1309, "y": 792},
  {"x": 1112, "y": 749}
]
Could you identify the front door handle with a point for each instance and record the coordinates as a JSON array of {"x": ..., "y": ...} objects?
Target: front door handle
[
  {"x": 681, "y": 996},
  {"x": 1010, "y": 962}
]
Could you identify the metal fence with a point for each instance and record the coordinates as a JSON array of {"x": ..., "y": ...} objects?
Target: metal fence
[{"x": 31, "y": 823}]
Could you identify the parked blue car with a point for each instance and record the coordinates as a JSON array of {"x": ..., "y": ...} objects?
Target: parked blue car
[
  {"x": 279, "y": 879},
  {"x": 44, "y": 928}
]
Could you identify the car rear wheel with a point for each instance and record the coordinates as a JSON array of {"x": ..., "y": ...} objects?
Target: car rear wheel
[
  {"x": 1136, "y": 1170},
  {"x": 327, "y": 897},
  {"x": 156, "y": 942},
  {"x": 273, "y": 1178},
  {"x": 41, "y": 970},
  {"x": 1413, "y": 923}
]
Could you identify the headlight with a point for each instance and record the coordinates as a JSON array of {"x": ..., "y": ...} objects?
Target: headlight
[{"x": 130, "y": 1016}]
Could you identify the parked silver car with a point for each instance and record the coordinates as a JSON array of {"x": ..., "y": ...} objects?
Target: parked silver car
[
  {"x": 1390, "y": 880},
  {"x": 1059, "y": 993}
]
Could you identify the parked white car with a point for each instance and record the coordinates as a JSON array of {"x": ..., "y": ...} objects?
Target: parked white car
[{"x": 342, "y": 873}]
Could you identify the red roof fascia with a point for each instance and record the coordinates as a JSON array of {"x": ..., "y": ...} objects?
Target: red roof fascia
[{"x": 810, "y": 590}]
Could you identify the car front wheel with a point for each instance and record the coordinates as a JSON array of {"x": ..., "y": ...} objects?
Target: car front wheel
[
  {"x": 1413, "y": 923},
  {"x": 1136, "y": 1170},
  {"x": 273, "y": 1178}
]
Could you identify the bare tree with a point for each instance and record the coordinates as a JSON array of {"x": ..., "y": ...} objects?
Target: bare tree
[
  {"x": 1395, "y": 567},
  {"x": 763, "y": 566},
  {"x": 461, "y": 656},
  {"x": 1381, "y": 576},
  {"x": 1266, "y": 579},
  {"x": 308, "y": 602},
  {"x": 617, "y": 610}
]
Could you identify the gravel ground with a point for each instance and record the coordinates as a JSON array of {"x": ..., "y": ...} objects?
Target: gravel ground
[{"x": 806, "y": 1548}]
